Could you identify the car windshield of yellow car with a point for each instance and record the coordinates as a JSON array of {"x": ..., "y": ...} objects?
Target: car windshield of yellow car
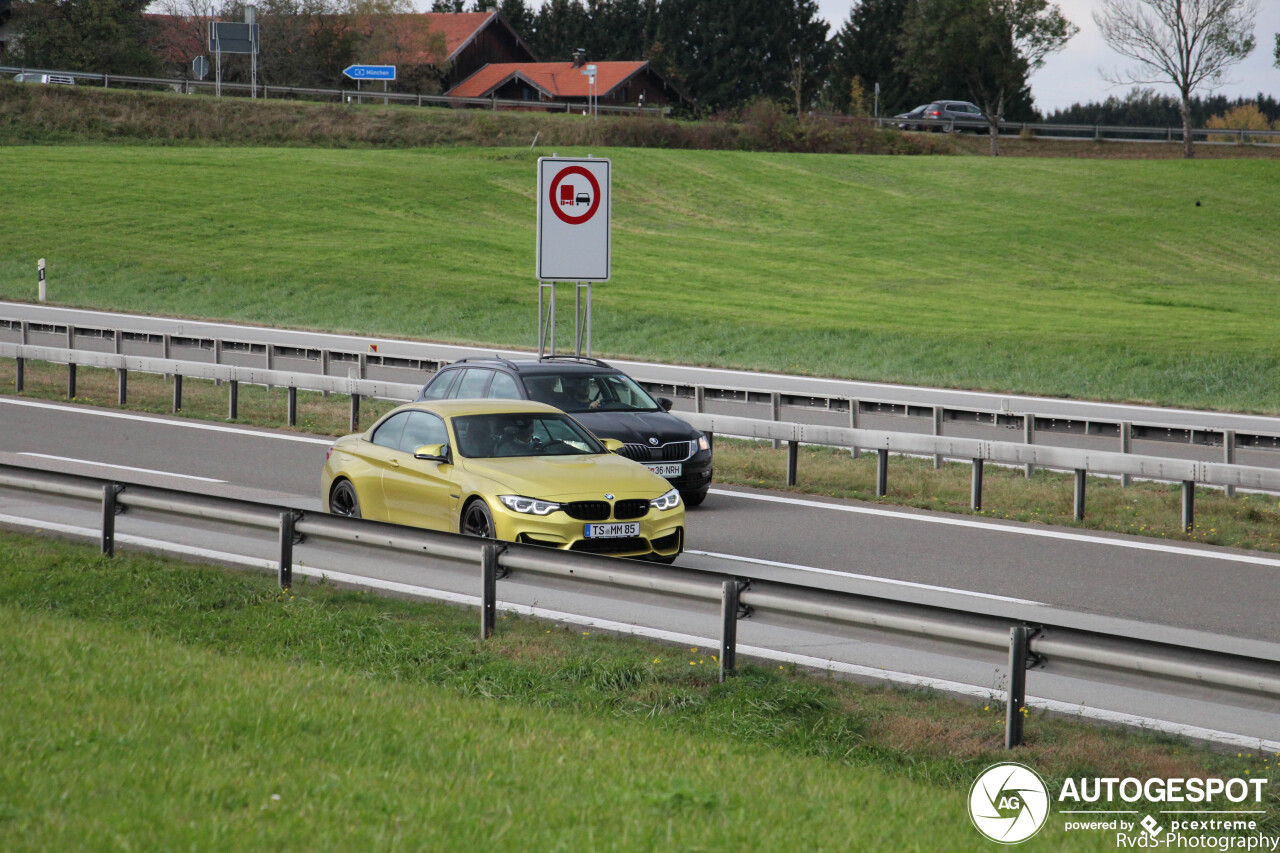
[{"x": 522, "y": 434}]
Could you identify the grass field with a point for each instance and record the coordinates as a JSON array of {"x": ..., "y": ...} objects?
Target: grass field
[
  {"x": 1081, "y": 278},
  {"x": 150, "y": 705}
]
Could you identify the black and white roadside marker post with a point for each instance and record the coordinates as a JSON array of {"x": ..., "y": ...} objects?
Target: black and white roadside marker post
[{"x": 40, "y": 283}]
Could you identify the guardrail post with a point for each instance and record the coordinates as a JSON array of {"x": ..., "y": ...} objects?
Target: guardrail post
[
  {"x": 217, "y": 359},
  {"x": 293, "y": 406},
  {"x": 122, "y": 386},
  {"x": 233, "y": 400},
  {"x": 1013, "y": 718},
  {"x": 110, "y": 509},
  {"x": 18, "y": 380},
  {"x": 1229, "y": 454},
  {"x": 1029, "y": 437},
  {"x": 324, "y": 367},
  {"x": 975, "y": 489},
  {"x": 699, "y": 399},
  {"x": 71, "y": 380},
  {"x": 882, "y": 473},
  {"x": 854, "y": 453},
  {"x": 793, "y": 461},
  {"x": 177, "y": 392},
  {"x": 1188, "y": 505},
  {"x": 165, "y": 351},
  {"x": 775, "y": 413},
  {"x": 488, "y": 589},
  {"x": 1078, "y": 503},
  {"x": 731, "y": 610},
  {"x": 937, "y": 430},
  {"x": 355, "y": 401},
  {"x": 287, "y": 539},
  {"x": 1126, "y": 446}
]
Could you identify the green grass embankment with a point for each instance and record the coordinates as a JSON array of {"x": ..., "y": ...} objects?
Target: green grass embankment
[
  {"x": 1091, "y": 279},
  {"x": 154, "y": 705}
]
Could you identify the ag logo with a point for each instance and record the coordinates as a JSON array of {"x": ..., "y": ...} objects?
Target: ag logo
[{"x": 1008, "y": 803}]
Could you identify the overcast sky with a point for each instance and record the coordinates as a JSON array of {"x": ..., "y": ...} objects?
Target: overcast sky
[{"x": 1072, "y": 75}]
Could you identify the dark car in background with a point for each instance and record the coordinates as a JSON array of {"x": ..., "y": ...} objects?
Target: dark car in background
[
  {"x": 958, "y": 116},
  {"x": 602, "y": 398},
  {"x": 911, "y": 120}
]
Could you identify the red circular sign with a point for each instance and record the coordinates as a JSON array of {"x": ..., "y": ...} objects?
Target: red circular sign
[{"x": 571, "y": 198}]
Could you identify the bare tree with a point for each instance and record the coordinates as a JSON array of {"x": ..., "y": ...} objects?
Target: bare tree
[{"x": 1188, "y": 43}]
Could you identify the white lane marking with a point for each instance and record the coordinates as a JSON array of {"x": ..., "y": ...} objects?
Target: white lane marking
[
  {"x": 1000, "y": 528},
  {"x": 894, "y": 582},
  {"x": 122, "y": 467},
  {"x": 102, "y": 413},
  {"x": 956, "y": 687}
]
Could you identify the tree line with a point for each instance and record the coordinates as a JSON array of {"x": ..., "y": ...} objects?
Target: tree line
[
  {"x": 887, "y": 56},
  {"x": 1143, "y": 107},
  {"x": 723, "y": 55}
]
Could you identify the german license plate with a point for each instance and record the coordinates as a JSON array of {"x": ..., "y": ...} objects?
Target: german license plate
[
  {"x": 617, "y": 530},
  {"x": 671, "y": 469}
]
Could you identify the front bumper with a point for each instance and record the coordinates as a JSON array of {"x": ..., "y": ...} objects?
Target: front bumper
[{"x": 661, "y": 532}]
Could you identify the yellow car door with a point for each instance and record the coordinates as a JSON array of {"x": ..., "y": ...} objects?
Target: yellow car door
[{"x": 420, "y": 492}]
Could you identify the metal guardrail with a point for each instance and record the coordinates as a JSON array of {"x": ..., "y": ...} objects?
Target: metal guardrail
[
  {"x": 1088, "y": 132},
  {"x": 1121, "y": 462},
  {"x": 341, "y": 95},
  {"x": 1250, "y": 667}
]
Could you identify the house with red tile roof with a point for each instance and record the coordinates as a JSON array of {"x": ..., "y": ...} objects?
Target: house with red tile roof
[
  {"x": 471, "y": 40},
  {"x": 448, "y": 47},
  {"x": 617, "y": 83}
]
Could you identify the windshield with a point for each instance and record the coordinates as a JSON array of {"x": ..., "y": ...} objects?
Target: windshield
[
  {"x": 522, "y": 434},
  {"x": 590, "y": 392}
]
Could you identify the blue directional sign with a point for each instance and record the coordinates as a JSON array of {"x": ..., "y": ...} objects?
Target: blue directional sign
[{"x": 370, "y": 72}]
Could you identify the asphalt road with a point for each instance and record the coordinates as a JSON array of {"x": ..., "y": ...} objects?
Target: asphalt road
[
  {"x": 1217, "y": 590},
  {"x": 980, "y": 563}
]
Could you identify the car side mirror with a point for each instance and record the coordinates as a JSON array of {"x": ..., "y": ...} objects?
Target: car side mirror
[
  {"x": 612, "y": 444},
  {"x": 666, "y": 403},
  {"x": 432, "y": 453}
]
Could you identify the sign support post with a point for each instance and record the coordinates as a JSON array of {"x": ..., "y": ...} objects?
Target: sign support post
[{"x": 574, "y": 240}]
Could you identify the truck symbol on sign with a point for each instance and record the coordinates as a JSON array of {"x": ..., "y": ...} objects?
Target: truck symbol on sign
[{"x": 567, "y": 197}]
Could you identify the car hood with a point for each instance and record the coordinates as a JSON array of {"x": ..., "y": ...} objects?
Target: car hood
[
  {"x": 637, "y": 427},
  {"x": 565, "y": 478}
]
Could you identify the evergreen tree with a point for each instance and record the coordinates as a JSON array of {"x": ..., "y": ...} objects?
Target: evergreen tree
[
  {"x": 103, "y": 36},
  {"x": 726, "y": 54},
  {"x": 559, "y": 28},
  {"x": 866, "y": 47}
]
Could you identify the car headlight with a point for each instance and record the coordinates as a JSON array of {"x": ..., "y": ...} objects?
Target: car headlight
[
  {"x": 670, "y": 500},
  {"x": 530, "y": 506},
  {"x": 703, "y": 444}
]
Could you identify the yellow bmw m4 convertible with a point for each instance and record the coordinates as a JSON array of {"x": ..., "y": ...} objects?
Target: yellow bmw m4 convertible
[{"x": 504, "y": 469}]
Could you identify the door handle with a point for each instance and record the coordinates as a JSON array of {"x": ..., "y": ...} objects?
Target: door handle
[{"x": 395, "y": 463}]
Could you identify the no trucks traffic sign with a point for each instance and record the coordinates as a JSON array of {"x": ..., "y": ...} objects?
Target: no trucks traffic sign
[{"x": 574, "y": 218}]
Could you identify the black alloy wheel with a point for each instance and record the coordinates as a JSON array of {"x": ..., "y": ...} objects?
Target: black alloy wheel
[
  {"x": 343, "y": 500},
  {"x": 476, "y": 520}
]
